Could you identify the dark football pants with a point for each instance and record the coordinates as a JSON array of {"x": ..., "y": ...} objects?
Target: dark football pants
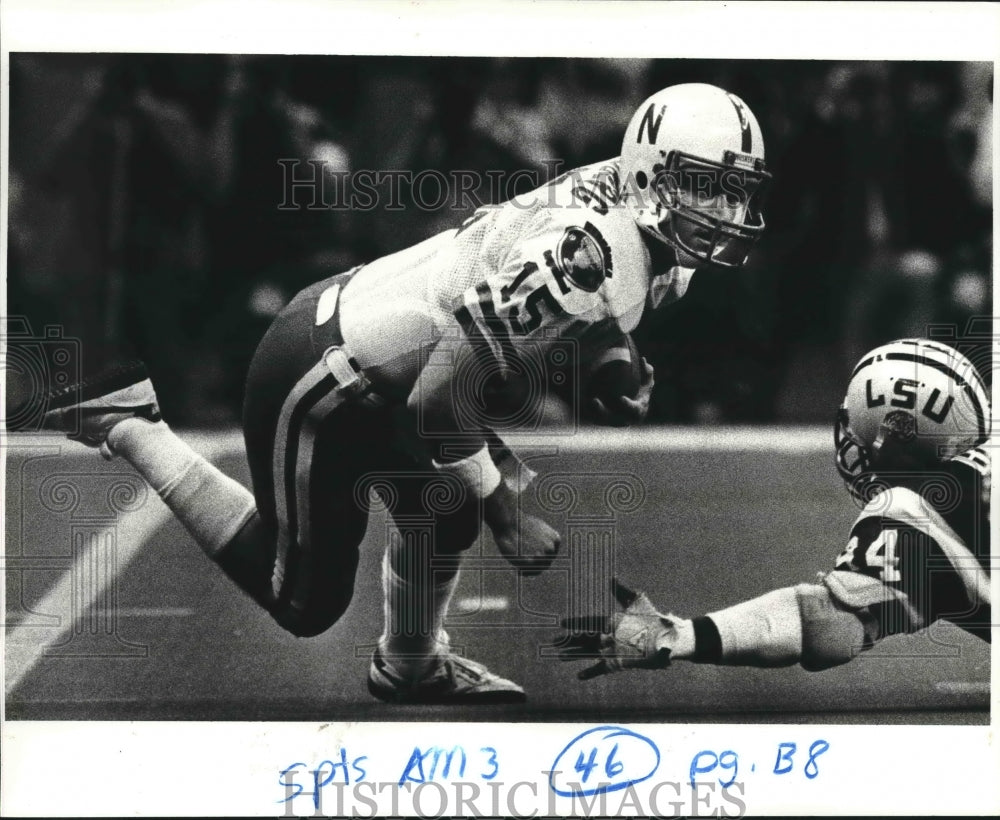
[{"x": 315, "y": 456}]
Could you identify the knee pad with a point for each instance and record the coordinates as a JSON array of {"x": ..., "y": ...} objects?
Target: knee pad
[{"x": 832, "y": 633}]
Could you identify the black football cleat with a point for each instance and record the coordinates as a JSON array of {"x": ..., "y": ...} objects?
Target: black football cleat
[{"x": 87, "y": 410}]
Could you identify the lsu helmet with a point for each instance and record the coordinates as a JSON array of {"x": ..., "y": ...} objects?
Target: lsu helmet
[
  {"x": 909, "y": 403},
  {"x": 684, "y": 148}
]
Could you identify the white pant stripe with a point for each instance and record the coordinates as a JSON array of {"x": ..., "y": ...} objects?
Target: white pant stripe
[
  {"x": 278, "y": 470},
  {"x": 303, "y": 464}
]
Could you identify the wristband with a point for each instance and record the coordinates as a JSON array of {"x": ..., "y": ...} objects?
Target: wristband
[
  {"x": 707, "y": 641},
  {"x": 477, "y": 472}
]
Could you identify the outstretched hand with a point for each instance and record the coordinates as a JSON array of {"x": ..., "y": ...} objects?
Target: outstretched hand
[{"x": 639, "y": 637}]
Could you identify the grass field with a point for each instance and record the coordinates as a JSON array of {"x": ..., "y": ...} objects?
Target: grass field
[{"x": 114, "y": 613}]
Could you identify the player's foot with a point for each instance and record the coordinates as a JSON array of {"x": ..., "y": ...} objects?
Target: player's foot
[
  {"x": 87, "y": 410},
  {"x": 453, "y": 680}
]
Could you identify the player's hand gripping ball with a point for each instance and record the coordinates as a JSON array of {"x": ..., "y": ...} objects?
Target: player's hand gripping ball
[{"x": 618, "y": 385}]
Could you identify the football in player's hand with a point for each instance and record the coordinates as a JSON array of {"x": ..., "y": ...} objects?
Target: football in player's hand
[{"x": 615, "y": 372}]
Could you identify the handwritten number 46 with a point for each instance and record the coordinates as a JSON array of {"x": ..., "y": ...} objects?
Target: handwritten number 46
[{"x": 612, "y": 767}]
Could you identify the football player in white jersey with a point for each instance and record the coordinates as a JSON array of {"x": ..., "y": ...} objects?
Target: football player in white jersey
[
  {"x": 365, "y": 381},
  {"x": 908, "y": 444}
]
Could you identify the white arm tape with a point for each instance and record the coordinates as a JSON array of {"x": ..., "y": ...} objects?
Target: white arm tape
[{"x": 477, "y": 472}]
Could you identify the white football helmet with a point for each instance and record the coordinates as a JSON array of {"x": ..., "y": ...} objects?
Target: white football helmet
[
  {"x": 911, "y": 402},
  {"x": 687, "y": 148}
]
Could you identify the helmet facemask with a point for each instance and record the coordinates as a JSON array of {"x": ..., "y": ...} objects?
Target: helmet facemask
[
  {"x": 853, "y": 457},
  {"x": 896, "y": 455},
  {"x": 684, "y": 194}
]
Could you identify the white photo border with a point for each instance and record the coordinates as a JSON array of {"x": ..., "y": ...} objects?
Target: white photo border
[{"x": 204, "y": 769}]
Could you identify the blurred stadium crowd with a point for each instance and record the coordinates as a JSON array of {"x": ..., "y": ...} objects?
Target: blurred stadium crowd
[{"x": 144, "y": 195}]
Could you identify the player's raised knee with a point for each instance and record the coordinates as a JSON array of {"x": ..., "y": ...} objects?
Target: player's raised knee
[
  {"x": 831, "y": 633},
  {"x": 310, "y": 622}
]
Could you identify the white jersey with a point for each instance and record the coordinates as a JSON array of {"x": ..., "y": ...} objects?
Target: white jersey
[{"x": 564, "y": 261}]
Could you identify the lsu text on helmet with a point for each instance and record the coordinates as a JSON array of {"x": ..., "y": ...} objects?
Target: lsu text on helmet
[
  {"x": 911, "y": 403},
  {"x": 693, "y": 171}
]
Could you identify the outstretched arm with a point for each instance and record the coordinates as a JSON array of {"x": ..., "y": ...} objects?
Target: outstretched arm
[{"x": 805, "y": 624}]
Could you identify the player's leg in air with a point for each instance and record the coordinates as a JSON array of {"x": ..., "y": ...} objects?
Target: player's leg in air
[{"x": 316, "y": 438}]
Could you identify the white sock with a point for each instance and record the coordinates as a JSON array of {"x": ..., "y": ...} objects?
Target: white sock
[
  {"x": 765, "y": 631},
  {"x": 682, "y": 641},
  {"x": 414, "y": 637},
  {"x": 212, "y": 506}
]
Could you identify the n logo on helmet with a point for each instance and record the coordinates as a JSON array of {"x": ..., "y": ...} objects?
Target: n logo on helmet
[
  {"x": 651, "y": 126},
  {"x": 741, "y": 112}
]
